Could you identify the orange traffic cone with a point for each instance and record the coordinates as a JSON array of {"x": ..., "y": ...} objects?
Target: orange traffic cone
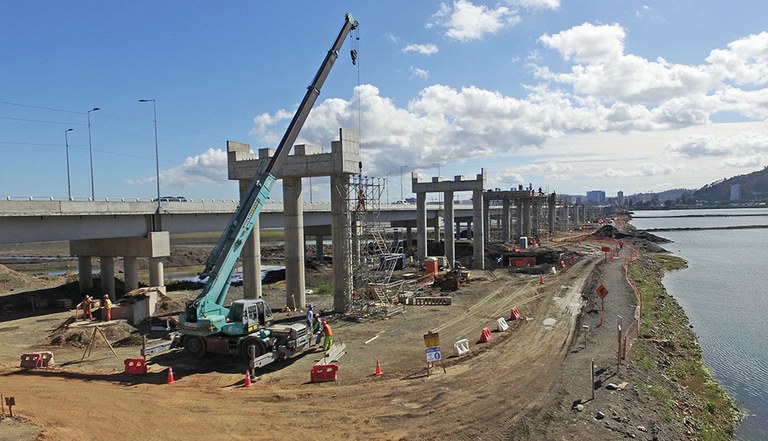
[
  {"x": 378, "y": 368},
  {"x": 170, "y": 376},
  {"x": 247, "y": 382},
  {"x": 541, "y": 280}
]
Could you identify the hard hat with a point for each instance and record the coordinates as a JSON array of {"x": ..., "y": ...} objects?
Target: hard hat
[
  {"x": 310, "y": 306},
  {"x": 106, "y": 296},
  {"x": 317, "y": 315},
  {"x": 324, "y": 322}
]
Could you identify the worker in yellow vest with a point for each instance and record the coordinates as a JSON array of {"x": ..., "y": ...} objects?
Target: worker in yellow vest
[{"x": 108, "y": 307}]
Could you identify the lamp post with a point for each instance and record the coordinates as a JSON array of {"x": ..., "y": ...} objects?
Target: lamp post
[
  {"x": 66, "y": 145},
  {"x": 90, "y": 150},
  {"x": 157, "y": 160},
  {"x": 401, "y": 181}
]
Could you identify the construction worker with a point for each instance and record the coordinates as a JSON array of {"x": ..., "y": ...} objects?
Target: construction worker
[
  {"x": 86, "y": 306},
  {"x": 317, "y": 328},
  {"x": 107, "y": 307},
  {"x": 328, "y": 336},
  {"x": 310, "y": 316}
]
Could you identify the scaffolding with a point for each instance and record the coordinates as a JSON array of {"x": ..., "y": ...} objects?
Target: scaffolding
[{"x": 375, "y": 257}]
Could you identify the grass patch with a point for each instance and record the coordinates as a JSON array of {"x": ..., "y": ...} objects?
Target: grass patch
[
  {"x": 324, "y": 288},
  {"x": 669, "y": 262}
]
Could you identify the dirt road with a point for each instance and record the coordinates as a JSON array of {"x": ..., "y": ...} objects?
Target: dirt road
[{"x": 483, "y": 395}]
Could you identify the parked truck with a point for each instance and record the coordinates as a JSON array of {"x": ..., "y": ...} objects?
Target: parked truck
[{"x": 244, "y": 327}]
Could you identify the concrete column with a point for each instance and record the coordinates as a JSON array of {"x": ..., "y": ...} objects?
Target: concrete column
[
  {"x": 107, "y": 264},
  {"x": 469, "y": 230},
  {"x": 576, "y": 220},
  {"x": 505, "y": 230},
  {"x": 551, "y": 214},
  {"x": 479, "y": 235},
  {"x": 486, "y": 207},
  {"x": 526, "y": 217},
  {"x": 131, "y": 273},
  {"x": 519, "y": 217},
  {"x": 319, "y": 254},
  {"x": 421, "y": 227},
  {"x": 356, "y": 231},
  {"x": 340, "y": 235},
  {"x": 293, "y": 218},
  {"x": 536, "y": 217},
  {"x": 409, "y": 237},
  {"x": 457, "y": 231},
  {"x": 395, "y": 241},
  {"x": 450, "y": 237},
  {"x": 156, "y": 276},
  {"x": 85, "y": 273},
  {"x": 250, "y": 259}
]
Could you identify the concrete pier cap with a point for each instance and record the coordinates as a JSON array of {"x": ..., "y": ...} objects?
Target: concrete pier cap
[{"x": 153, "y": 246}]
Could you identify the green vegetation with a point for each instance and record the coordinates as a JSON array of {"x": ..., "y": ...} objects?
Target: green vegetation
[
  {"x": 324, "y": 288},
  {"x": 676, "y": 354}
]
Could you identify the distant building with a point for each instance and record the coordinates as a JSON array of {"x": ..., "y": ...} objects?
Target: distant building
[
  {"x": 596, "y": 197},
  {"x": 620, "y": 198},
  {"x": 735, "y": 192}
]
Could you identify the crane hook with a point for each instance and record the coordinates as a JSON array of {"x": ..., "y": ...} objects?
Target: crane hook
[{"x": 353, "y": 53}]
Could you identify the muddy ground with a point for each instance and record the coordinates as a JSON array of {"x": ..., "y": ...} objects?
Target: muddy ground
[{"x": 526, "y": 383}]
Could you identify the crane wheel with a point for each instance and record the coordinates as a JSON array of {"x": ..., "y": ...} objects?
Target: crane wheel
[
  {"x": 258, "y": 345},
  {"x": 195, "y": 346}
]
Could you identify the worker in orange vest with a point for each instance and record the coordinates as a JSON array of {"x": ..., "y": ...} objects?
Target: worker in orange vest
[
  {"x": 328, "y": 336},
  {"x": 86, "y": 304},
  {"x": 108, "y": 307}
]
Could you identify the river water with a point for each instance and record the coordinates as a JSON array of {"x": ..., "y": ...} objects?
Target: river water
[{"x": 723, "y": 292}]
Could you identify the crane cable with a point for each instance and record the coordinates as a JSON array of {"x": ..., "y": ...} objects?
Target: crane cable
[{"x": 355, "y": 44}]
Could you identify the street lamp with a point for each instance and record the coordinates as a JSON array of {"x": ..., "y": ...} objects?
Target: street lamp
[
  {"x": 157, "y": 159},
  {"x": 401, "y": 181},
  {"x": 66, "y": 144},
  {"x": 90, "y": 150}
]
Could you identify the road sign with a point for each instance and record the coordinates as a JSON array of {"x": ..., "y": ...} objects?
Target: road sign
[
  {"x": 602, "y": 291},
  {"x": 605, "y": 249},
  {"x": 432, "y": 340},
  {"x": 433, "y": 355}
]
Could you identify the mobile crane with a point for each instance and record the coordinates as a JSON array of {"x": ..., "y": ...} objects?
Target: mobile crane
[{"x": 244, "y": 328}]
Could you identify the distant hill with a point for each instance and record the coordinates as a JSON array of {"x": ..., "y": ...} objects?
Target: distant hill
[
  {"x": 666, "y": 195},
  {"x": 753, "y": 187}
]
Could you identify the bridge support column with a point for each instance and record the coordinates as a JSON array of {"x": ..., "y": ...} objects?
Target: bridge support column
[
  {"x": 85, "y": 270},
  {"x": 505, "y": 227},
  {"x": 340, "y": 235},
  {"x": 536, "y": 216},
  {"x": 251, "y": 257},
  {"x": 131, "y": 273},
  {"x": 519, "y": 218},
  {"x": 319, "y": 252},
  {"x": 526, "y": 218},
  {"x": 486, "y": 210},
  {"x": 421, "y": 227},
  {"x": 293, "y": 215},
  {"x": 107, "y": 264},
  {"x": 551, "y": 213},
  {"x": 478, "y": 241},
  {"x": 450, "y": 237},
  {"x": 156, "y": 275},
  {"x": 409, "y": 237}
]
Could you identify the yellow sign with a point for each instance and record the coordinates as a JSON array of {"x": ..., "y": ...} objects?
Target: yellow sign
[{"x": 432, "y": 340}]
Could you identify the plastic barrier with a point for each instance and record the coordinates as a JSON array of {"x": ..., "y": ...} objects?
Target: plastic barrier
[
  {"x": 461, "y": 347},
  {"x": 135, "y": 366},
  {"x": 485, "y": 337},
  {"x": 36, "y": 360},
  {"x": 502, "y": 324},
  {"x": 514, "y": 314},
  {"x": 323, "y": 372}
]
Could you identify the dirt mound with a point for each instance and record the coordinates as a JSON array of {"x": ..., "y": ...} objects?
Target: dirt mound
[
  {"x": 118, "y": 334},
  {"x": 11, "y": 280}
]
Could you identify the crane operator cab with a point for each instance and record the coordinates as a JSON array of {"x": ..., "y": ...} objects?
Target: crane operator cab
[{"x": 253, "y": 313}]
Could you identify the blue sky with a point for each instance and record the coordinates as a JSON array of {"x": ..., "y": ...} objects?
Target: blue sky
[{"x": 567, "y": 95}]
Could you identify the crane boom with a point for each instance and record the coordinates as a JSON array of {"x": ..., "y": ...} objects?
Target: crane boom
[{"x": 209, "y": 307}]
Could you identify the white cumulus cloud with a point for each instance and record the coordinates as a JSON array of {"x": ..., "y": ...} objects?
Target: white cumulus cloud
[
  {"x": 423, "y": 49},
  {"x": 466, "y": 21}
]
